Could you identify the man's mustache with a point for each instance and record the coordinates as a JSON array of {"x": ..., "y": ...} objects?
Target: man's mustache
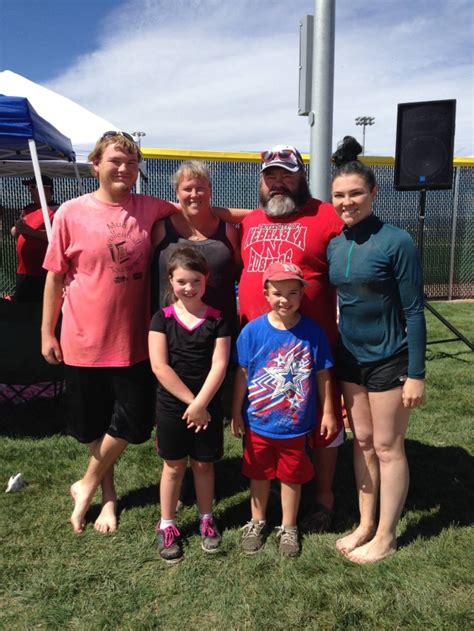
[{"x": 279, "y": 191}]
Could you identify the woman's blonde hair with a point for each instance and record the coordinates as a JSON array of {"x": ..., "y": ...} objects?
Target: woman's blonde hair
[{"x": 190, "y": 168}]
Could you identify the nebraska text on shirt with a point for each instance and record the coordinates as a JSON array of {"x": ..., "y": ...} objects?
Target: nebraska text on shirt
[{"x": 293, "y": 234}]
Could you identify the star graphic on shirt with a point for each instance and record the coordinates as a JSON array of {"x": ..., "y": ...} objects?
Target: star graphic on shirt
[
  {"x": 288, "y": 377},
  {"x": 280, "y": 360},
  {"x": 295, "y": 401},
  {"x": 283, "y": 382}
]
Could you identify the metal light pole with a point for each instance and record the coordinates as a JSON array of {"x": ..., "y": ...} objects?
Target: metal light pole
[
  {"x": 364, "y": 121},
  {"x": 138, "y": 135},
  {"x": 316, "y": 90},
  {"x": 321, "y": 115}
]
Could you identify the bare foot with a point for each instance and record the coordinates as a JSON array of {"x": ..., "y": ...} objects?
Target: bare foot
[
  {"x": 106, "y": 522},
  {"x": 82, "y": 499},
  {"x": 373, "y": 551},
  {"x": 361, "y": 535}
]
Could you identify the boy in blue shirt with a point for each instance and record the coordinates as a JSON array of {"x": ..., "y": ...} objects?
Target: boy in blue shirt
[{"x": 283, "y": 360}]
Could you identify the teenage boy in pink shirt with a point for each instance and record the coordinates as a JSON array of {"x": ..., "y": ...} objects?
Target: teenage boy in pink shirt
[{"x": 98, "y": 264}]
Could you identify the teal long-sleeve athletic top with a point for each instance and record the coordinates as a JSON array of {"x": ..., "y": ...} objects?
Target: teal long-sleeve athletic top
[{"x": 378, "y": 276}]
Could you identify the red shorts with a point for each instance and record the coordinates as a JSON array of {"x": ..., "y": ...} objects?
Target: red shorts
[{"x": 286, "y": 459}]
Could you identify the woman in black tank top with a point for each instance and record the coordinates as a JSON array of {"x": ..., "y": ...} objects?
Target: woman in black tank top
[{"x": 198, "y": 227}]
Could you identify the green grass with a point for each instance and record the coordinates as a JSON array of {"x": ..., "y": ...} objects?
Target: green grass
[{"x": 52, "y": 579}]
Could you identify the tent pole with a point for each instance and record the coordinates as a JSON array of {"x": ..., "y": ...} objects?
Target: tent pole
[
  {"x": 78, "y": 177},
  {"x": 39, "y": 184}
]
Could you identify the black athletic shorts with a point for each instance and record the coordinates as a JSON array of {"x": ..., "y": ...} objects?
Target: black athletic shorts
[
  {"x": 379, "y": 376},
  {"x": 175, "y": 441},
  {"x": 115, "y": 401}
]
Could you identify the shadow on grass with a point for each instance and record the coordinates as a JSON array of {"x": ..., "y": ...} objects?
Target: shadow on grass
[
  {"x": 137, "y": 498},
  {"x": 440, "y": 484},
  {"x": 432, "y": 356}
]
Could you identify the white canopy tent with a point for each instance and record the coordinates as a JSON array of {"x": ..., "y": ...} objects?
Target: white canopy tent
[{"x": 74, "y": 121}]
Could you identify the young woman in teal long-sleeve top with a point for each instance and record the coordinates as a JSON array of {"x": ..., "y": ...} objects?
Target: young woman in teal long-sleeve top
[{"x": 381, "y": 353}]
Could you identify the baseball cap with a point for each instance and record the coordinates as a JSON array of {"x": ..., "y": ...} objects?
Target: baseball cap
[
  {"x": 284, "y": 156},
  {"x": 47, "y": 181},
  {"x": 283, "y": 271}
]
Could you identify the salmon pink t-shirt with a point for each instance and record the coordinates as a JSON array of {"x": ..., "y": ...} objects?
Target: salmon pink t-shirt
[{"x": 104, "y": 250}]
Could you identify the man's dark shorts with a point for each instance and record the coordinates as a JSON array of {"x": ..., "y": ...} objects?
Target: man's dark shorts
[
  {"x": 114, "y": 401},
  {"x": 379, "y": 376}
]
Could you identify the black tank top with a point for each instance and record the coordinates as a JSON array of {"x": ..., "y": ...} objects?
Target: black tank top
[{"x": 220, "y": 290}]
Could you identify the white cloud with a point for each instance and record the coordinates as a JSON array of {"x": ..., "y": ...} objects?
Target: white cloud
[{"x": 222, "y": 74}]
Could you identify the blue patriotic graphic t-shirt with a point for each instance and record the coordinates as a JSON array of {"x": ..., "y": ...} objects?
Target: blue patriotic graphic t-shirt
[{"x": 281, "y": 365}]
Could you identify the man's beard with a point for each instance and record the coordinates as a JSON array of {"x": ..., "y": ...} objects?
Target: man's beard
[
  {"x": 282, "y": 202},
  {"x": 279, "y": 205}
]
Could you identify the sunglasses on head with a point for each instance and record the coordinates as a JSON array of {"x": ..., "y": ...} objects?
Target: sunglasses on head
[
  {"x": 113, "y": 134},
  {"x": 283, "y": 154}
]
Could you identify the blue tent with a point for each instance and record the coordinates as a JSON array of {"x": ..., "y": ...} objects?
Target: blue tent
[{"x": 20, "y": 123}]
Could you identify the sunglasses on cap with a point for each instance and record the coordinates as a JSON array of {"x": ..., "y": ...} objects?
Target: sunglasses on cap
[
  {"x": 114, "y": 134},
  {"x": 284, "y": 155}
]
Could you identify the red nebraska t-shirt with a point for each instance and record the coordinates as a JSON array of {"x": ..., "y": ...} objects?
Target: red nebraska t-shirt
[{"x": 301, "y": 239}]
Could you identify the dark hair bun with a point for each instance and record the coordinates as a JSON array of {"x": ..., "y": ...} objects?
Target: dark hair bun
[{"x": 347, "y": 151}]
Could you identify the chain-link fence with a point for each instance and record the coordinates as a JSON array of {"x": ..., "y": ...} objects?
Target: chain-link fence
[{"x": 448, "y": 226}]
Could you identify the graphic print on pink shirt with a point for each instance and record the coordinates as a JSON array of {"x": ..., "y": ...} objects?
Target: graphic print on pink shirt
[{"x": 125, "y": 252}]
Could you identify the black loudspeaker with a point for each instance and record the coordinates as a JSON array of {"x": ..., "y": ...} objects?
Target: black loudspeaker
[{"x": 425, "y": 145}]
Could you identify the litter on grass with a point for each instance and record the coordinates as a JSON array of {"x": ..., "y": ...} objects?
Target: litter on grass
[{"x": 15, "y": 483}]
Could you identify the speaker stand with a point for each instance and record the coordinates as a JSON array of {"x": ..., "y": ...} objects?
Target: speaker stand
[{"x": 431, "y": 309}]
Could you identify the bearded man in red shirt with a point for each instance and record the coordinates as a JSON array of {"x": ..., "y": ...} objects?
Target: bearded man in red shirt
[{"x": 293, "y": 227}]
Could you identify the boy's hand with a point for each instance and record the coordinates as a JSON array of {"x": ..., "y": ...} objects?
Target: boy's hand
[
  {"x": 237, "y": 425},
  {"x": 328, "y": 425}
]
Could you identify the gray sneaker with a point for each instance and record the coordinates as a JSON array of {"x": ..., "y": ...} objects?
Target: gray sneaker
[
  {"x": 289, "y": 541},
  {"x": 254, "y": 534},
  {"x": 211, "y": 537}
]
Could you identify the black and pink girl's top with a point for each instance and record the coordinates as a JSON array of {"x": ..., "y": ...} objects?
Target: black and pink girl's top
[{"x": 190, "y": 350}]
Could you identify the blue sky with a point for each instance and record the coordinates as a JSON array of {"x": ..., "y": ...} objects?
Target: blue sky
[{"x": 222, "y": 74}]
